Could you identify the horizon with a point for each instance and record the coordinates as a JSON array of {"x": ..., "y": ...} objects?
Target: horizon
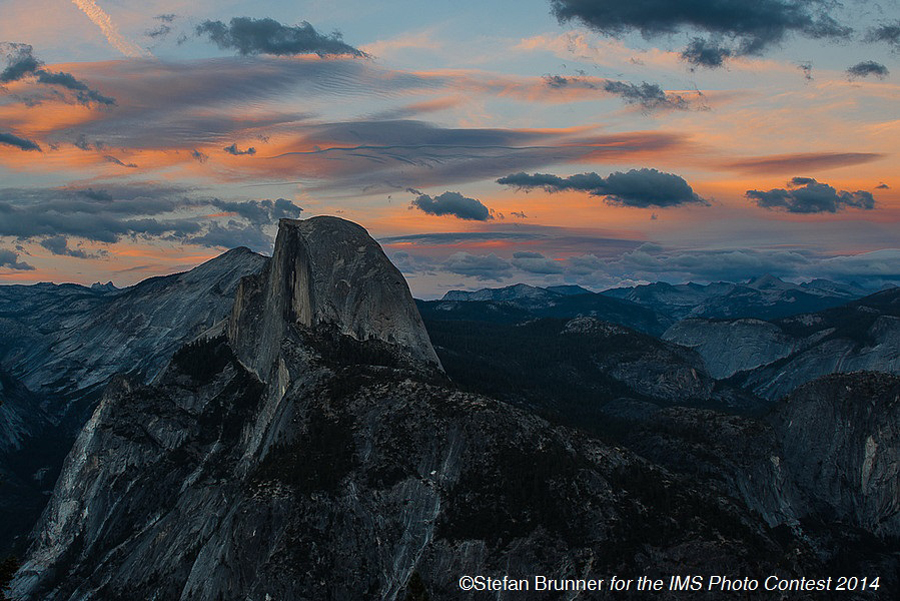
[
  {"x": 482, "y": 144},
  {"x": 473, "y": 289}
]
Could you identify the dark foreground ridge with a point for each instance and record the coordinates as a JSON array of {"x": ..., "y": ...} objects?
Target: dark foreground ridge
[{"x": 315, "y": 449}]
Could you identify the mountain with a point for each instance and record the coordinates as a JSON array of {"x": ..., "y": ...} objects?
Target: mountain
[
  {"x": 581, "y": 372},
  {"x": 822, "y": 463},
  {"x": 521, "y": 303},
  {"x": 649, "y": 308},
  {"x": 764, "y": 297},
  {"x": 61, "y": 344},
  {"x": 317, "y": 449},
  {"x": 772, "y": 358},
  {"x": 520, "y": 293}
]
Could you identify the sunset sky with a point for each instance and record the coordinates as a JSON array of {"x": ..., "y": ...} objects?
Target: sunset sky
[{"x": 484, "y": 143}]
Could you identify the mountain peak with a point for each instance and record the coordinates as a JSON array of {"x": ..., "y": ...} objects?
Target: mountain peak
[{"x": 326, "y": 271}]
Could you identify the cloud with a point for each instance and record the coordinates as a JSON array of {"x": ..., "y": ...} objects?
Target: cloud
[
  {"x": 648, "y": 96},
  {"x": 481, "y": 267},
  {"x": 10, "y": 260},
  {"x": 21, "y": 63},
  {"x": 641, "y": 188},
  {"x": 806, "y": 195},
  {"x": 199, "y": 156},
  {"x": 23, "y": 143},
  {"x": 808, "y": 161},
  {"x": 102, "y": 20},
  {"x": 145, "y": 210},
  {"x": 266, "y": 36},
  {"x": 233, "y": 149},
  {"x": 231, "y": 235},
  {"x": 706, "y": 53},
  {"x": 452, "y": 238},
  {"x": 886, "y": 32},
  {"x": 111, "y": 159},
  {"x": 866, "y": 68},
  {"x": 535, "y": 262},
  {"x": 452, "y": 203},
  {"x": 260, "y": 212},
  {"x": 164, "y": 27},
  {"x": 390, "y": 155},
  {"x": 882, "y": 186},
  {"x": 753, "y": 27},
  {"x": 59, "y": 245}
]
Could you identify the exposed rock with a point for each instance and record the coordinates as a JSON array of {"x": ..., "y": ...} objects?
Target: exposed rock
[
  {"x": 62, "y": 344},
  {"x": 774, "y": 358},
  {"x": 841, "y": 441},
  {"x": 325, "y": 271},
  {"x": 729, "y": 347}
]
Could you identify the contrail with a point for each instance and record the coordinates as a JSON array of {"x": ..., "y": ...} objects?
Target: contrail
[{"x": 102, "y": 20}]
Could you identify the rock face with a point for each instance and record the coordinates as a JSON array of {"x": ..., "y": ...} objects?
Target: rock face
[
  {"x": 773, "y": 358},
  {"x": 316, "y": 453},
  {"x": 62, "y": 344},
  {"x": 325, "y": 272},
  {"x": 729, "y": 347},
  {"x": 841, "y": 443}
]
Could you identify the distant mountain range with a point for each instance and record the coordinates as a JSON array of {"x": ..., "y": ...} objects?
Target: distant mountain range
[{"x": 764, "y": 297}]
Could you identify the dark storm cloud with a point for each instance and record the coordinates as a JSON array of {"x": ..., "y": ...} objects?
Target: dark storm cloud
[
  {"x": 452, "y": 203},
  {"x": 785, "y": 163},
  {"x": 753, "y": 25},
  {"x": 21, "y": 63},
  {"x": 481, "y": 267},
  {"x": 648, "y": 96},
  {"x": 268, "y": 36},
  {"x": 886, "y": 32},
  {"x": 145, "y": 210},
  {"x": 18, "y": 142},
  {"x": 641, "y": 188},
  {"x": 10, "y": 260},
  {"x": 866, "y": 68},
  {"x": 233, "y": 149},
  {"x": 706, "y": 53},
  {"x": 806, "y": 195}
]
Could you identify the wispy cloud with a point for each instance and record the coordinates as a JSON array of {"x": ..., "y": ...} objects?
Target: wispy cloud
[{"x": 102, "y": 20}]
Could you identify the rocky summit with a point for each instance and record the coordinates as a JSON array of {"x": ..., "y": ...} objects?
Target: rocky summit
[{"x": 314, "y": 448}]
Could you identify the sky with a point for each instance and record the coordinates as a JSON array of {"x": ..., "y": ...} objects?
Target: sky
[{"x": 588, "y": 142}]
